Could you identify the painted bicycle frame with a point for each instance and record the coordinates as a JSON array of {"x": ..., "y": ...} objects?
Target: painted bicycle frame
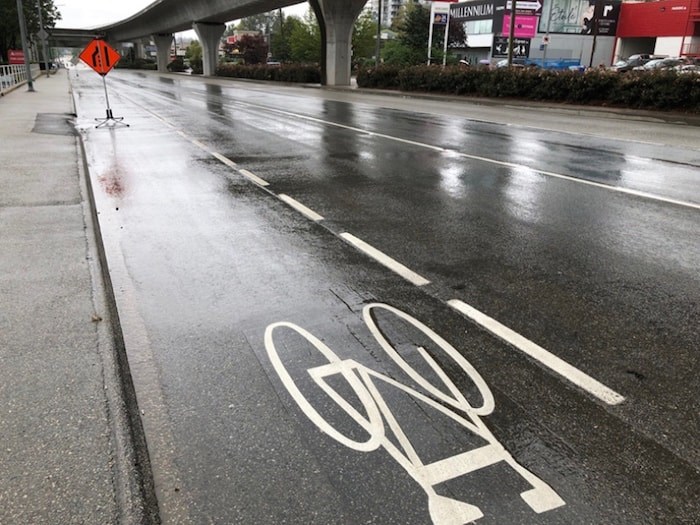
[{"x": 379, "y": 419}]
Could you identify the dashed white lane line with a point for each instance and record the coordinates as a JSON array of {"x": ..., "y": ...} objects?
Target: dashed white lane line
[
  {"x": 384, "y": 259},
  {"x": 228, "y": 162},
  {"x": 307, "y": 212},
  {"x": 551, "y": 361},
  {"x": 513, "y": 165},
  {"x": 225, "y": 160},
  {"x": 554, "y": 363},
  {"x": 253, "y": 177}
]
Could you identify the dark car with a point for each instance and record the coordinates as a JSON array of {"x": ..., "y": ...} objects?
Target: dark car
[
  {"x": 633, "y": 61},
  {"x": 660, "y": 64}
]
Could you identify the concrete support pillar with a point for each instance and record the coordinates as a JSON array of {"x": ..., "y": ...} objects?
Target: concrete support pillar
[
  {"x": 210, "y": 38},
  {"x": 164, "y": 42},
  {"x": 139, "y": 49},
  {"x": 338, "y": 20}
]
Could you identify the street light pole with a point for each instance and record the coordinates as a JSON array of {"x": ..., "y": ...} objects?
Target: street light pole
[
  {"x": 378, "y": 51},
  {"x": 25, "y": 48},
  {"x": 42, "y": 35}
]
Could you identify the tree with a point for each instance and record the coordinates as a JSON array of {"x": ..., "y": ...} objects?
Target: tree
[
  {"x": 9, "y": 22},
  {"x": 280, "y": 34},
  {"x": 411, "y": 46},
  {"x": 253, "y": 49},
  {"x": 193, "y": 53},
  {"x": 260, "y": 22},
  {"x": 305, "y": 39},
  {"x": 364, "y": 36}
]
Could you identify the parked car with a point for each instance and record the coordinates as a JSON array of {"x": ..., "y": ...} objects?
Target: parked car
[
  {"x": 660, "y": 64},
  {"x": 688, "y": 69},
  {"x": 634, "y": 61}
]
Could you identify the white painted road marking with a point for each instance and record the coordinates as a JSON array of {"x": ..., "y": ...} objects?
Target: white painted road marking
[
  {"x": 384, "y": 259},
  {"x": 618, "y": 189},
  {"x": 311, "y": 214},
  {"x": 554, "y": 363},
  {"x": 225, "y": 160},
  {"x": 378, "y": 420},
  {"x": 251, "y": 176}
]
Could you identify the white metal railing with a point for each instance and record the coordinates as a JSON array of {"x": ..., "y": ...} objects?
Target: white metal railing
[{"x": 13, "y": 75}]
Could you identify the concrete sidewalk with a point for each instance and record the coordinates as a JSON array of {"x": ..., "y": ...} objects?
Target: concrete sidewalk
[{"x": 71, "y": 447}]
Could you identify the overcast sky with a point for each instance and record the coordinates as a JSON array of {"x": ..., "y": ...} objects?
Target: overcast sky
[{"x": 80, "y": 14}]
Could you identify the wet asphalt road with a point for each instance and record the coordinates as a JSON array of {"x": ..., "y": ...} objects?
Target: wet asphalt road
[{"x": 585, "y": 245}]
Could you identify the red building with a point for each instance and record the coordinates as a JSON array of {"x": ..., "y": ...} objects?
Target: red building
[{"x": 668, "y": 27}]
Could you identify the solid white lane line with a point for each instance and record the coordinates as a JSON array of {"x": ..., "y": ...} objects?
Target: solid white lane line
[
  {"x": 554, "y": 363},
  {"x": 311, "y": 214},
  {"x": 253, "y": 177},
  {"x": 569, "y": 178},
  {"x": 479, "y": 158},
  {"x": 384, "y": 259}
]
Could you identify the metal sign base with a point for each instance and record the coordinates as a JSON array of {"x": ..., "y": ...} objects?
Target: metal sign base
[{"x": 110, "y": 119}]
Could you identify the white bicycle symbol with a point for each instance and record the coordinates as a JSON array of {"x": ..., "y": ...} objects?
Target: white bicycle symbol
[{"x": 443, "y": 510}]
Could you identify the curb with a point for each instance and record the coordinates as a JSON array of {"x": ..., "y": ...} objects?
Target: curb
[{"x": 134, "y": 485}]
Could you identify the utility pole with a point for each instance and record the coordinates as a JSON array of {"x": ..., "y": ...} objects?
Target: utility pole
[
  {"x": 42, "y": 37},
  {"x": 25, "y": 48},
  {"x": 378, "y": 51},
  {"x": 549, "y": 23},
  {"x": 595, "y": 30},
  {"x": 511, "y": 32}
]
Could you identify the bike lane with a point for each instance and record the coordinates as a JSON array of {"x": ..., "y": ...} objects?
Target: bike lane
[{"x": 206, "y": 264}]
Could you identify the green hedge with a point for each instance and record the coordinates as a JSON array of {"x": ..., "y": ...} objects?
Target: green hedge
[
  {"x": 306, "y": 74},
  {"x": 644, "y": 90}
]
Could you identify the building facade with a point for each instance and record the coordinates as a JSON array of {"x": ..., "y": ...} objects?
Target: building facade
[
  {"x": 561, "y": 33},
  {"x": 666, "y": 27}
]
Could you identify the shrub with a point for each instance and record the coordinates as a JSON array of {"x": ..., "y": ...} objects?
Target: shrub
[
  {"x": 383, "y": 77},
  {"x": 307, "y": 74},
  {"x": 177, "y": 65},
  {"x": 197, "y": 66},
  {"x": 652, "y": 90}
]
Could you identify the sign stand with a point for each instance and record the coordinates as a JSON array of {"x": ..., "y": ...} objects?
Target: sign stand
[
  {"x": 110, "y": 118},
  {"x": 102, "y": 57}
]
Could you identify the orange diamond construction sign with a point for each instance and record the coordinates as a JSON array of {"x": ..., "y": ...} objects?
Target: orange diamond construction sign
[{"x": 100, "y": 56}]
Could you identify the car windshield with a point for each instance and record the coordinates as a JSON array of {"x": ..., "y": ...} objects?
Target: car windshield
[{"x": 653, "y": 63}]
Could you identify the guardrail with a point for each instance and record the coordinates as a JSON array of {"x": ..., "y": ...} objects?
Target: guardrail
[{"x": 15, "y": 75}]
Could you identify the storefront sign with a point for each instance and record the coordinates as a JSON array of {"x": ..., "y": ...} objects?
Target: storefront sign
[
  {"x": 468, "y": 11},
  {"x": 15, "y": 56}
]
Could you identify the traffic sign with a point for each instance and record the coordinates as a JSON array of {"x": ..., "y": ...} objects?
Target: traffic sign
[
  {"x": 525, "y": 5},
  {"x": 100, "y": 56}
]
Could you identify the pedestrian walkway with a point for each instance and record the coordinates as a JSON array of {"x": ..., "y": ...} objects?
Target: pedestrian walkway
[{"x": 66, "y": 452}]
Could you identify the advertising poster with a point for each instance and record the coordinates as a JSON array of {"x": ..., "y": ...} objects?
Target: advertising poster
[
  {"x": 521, "y": 47},
  {"x": 580, "y": 16},
  {"x": 525, "y": 26}
]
